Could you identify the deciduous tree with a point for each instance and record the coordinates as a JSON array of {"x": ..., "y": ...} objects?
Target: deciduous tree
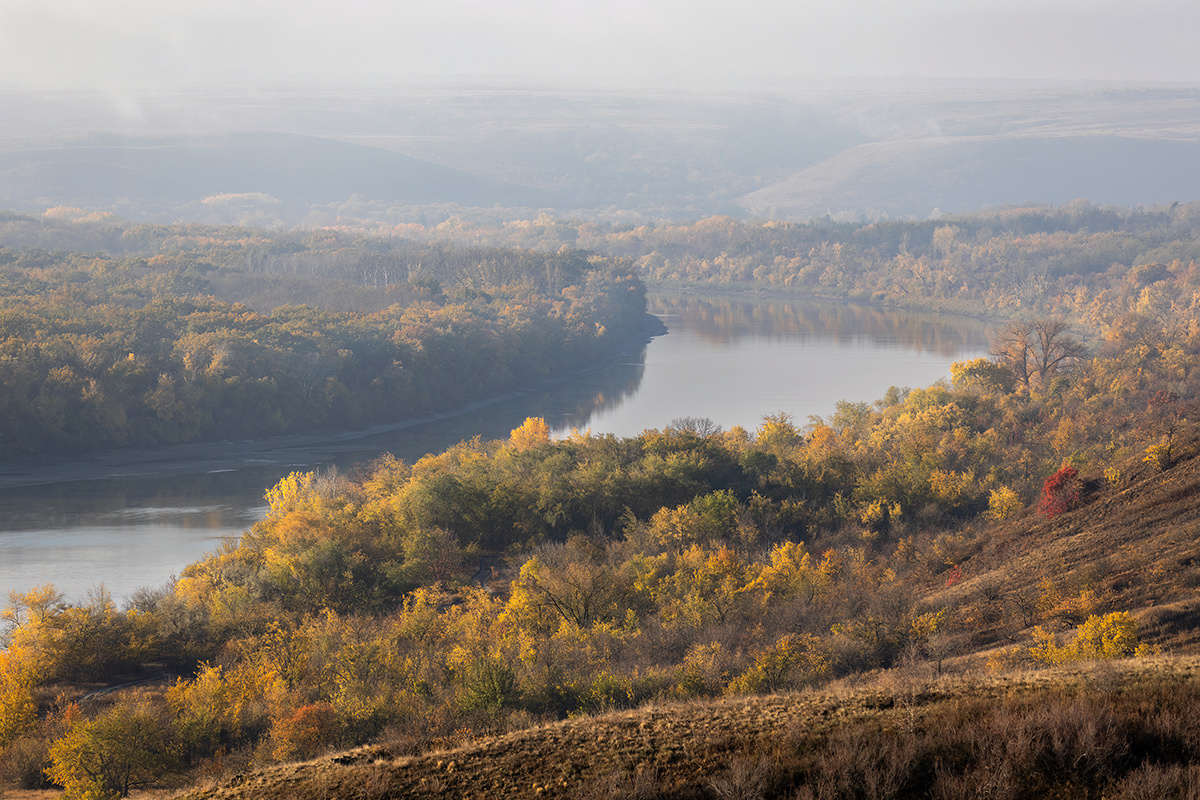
[{"x": 125, "y": 748}]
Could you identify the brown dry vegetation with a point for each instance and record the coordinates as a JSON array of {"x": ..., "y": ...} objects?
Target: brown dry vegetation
[
  {"x": 791, "y": 744},
  {"x": 1133, "y": 545}
]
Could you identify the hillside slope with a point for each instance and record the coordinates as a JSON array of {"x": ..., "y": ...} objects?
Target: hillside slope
[
  {"x": 1133, "y": 544},
  {"x": 917, "y": 177},
  {"x": 749, "y": 746},
  {"x": 285, "y": 168}
]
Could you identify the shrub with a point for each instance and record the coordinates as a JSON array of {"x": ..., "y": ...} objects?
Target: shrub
[
  {"x": 795, "y": 660},
  {"x": 606, "y": 692},
  {"x": 127, "y": 747},
  {"x": 704, "y": 671},
  {"x": 489, "y": 686},
  {"x": 1003, "y": 503},
  {"x": 303, "y": 734},
  {"x": 1160, "y": 454},
  {"x": 24, "y": 762},
  {"x": 1111, "y": 636},
  {"x": 1060, "y": 492}
]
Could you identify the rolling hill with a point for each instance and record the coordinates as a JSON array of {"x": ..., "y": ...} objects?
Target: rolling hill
[
  {"x": 924, "y": 176},
  {"x": 854, "y": 149},
  {"x": 1035, "y": 734},
  {"x": 274, "y": 167}
]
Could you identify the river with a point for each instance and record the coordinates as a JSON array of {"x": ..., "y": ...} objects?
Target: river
[{"x": 134, "y": 519}]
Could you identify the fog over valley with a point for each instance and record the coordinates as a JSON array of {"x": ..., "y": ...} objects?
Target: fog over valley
[
  {"x": 850, "y": 150},
  {"x": 858, "y": 110}
]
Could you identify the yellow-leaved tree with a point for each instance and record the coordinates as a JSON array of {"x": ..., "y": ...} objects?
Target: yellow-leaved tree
[
  {"x": 18, "y": 706},
  {"x": 532, "y": 433},
  {"x": 127, "y": 747},
  {"x": 1098, "y": 637},
  {"x": 292, "y": 493}
]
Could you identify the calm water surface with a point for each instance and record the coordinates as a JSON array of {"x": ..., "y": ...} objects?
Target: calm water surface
[{"x": 732, "y": 360}]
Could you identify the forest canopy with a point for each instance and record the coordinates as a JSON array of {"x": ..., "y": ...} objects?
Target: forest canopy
[{"x": 193, "y": 344}]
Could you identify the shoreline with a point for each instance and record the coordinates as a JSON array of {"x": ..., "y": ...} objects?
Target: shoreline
[
  {"x": 282, "y": 451},
  {"x": 224, "y": 456},
  {"x": 753, "y": 290}
]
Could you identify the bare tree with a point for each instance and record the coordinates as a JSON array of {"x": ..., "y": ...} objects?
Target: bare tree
[
  {"x": 1012, "y": 348},
  {"x": 1037, "y": 351},
  {"x": 700, "y": 426},
  {"x": 1056, "y": 350}
]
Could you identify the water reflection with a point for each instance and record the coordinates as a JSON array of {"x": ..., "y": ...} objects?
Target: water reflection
[
  {"x": 567, "y": 405},
  {"x": 186, "y": 501},
  {"x": 723, "y": 320},
  {"x": 134, "y": 519},
  {"x": 175, "y": 504},
  {"x": 736, "y": 359}
]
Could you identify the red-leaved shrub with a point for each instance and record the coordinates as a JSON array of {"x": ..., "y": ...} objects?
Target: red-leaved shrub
[{"x": 1060, "y": 492}]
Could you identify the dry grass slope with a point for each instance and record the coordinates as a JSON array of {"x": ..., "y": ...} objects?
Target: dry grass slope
[
  {"x": 1133, "y": 545},
  {"x": 684, "y": 750}
]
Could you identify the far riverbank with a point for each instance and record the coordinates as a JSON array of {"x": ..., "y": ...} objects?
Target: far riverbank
[{"x": 300, "y": 448}]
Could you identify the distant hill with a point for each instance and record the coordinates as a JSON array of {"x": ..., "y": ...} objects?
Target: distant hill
[
  {"x": 287, "y": 168},
  {"x": 918, "y": 177},
  {"x": 854, "y": 149}
]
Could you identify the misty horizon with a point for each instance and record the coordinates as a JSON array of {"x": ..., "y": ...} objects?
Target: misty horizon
[
  {"x": 139, "y": 45},
  {"x": 665, "y": 109}
]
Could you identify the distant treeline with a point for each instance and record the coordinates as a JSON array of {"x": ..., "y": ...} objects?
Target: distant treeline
[
  {"x": 1011, "y": 262},
  {"x": 100, "y": 351},
  {"x": 1015, "y": 262}
]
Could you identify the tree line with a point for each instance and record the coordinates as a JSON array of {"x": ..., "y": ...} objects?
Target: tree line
[
  {"x": 98, "y": 351},
  {"x": 1013, "y": 262}
]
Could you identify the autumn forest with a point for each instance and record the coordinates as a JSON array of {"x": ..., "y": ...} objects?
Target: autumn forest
[{"x": 505, "y": 584}]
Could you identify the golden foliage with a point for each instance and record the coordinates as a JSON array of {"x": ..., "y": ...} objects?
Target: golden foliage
[
  {"x": 18, "y": 705},
  {"x": 1003, "y": 503},
  {"x": 1098, "y": 637},
  {"x": 124, "y": 748},
  {"x": 293, "y": 493},
  {"x": 795, "y": 660},
  {"x": 532, "y": 433}
]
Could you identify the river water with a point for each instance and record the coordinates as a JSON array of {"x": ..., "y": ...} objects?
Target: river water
[{"x": 135, "y": 519}]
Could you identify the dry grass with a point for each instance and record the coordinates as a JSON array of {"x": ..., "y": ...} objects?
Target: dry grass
[
  {"x": 736, "y": 748},
  {"x": 56, "y": 794},
  {"x": 1133, "y": 546}
]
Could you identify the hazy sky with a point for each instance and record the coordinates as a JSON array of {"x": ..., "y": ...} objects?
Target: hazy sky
[{"x": 110, "y": 44}]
